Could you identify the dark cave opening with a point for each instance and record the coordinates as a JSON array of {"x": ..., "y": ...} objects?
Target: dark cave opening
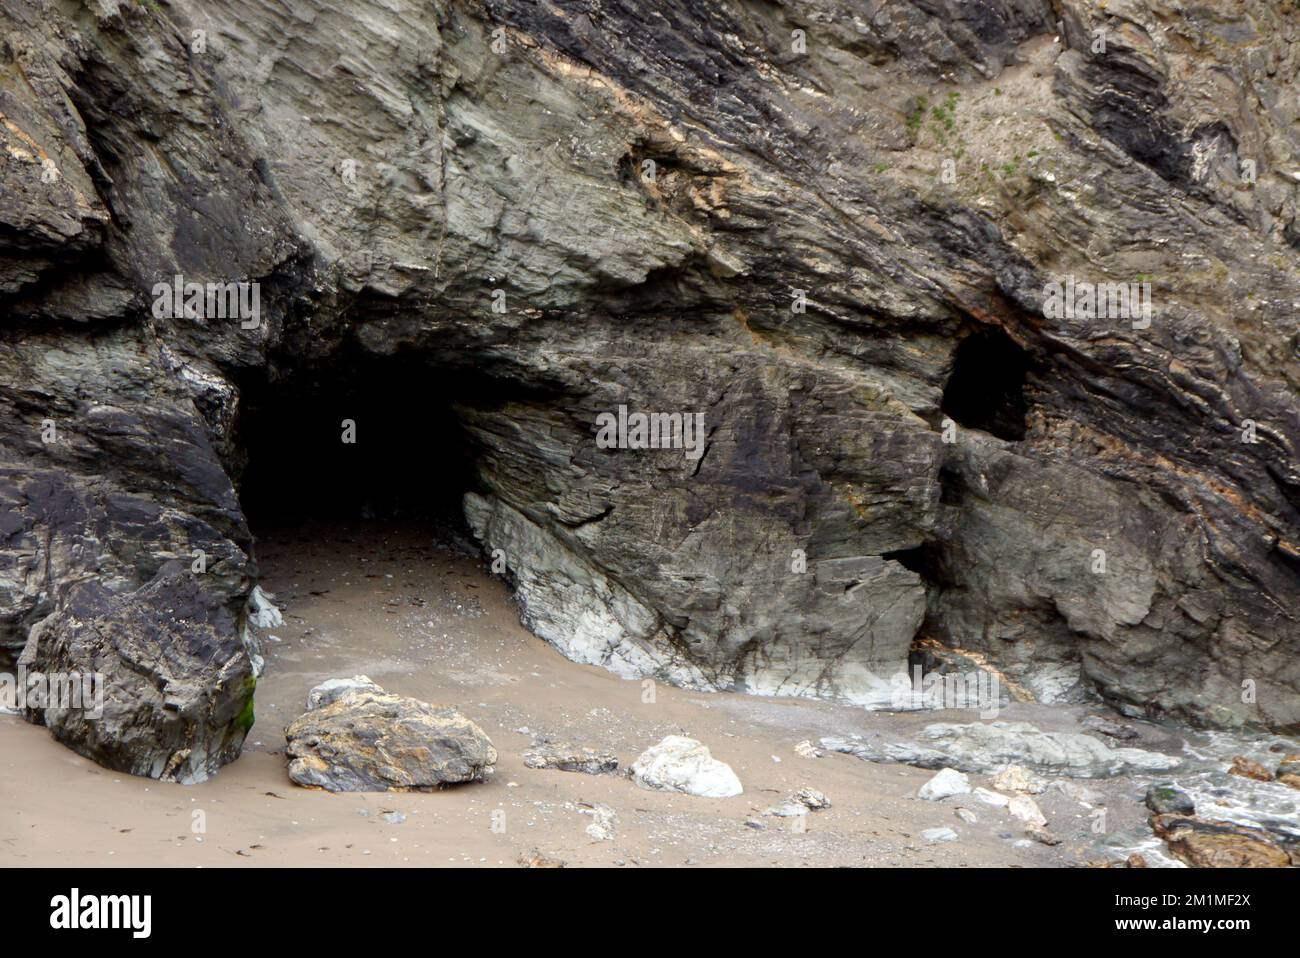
[
  {"x": 355, "y": 437},
  {"x": 986, "y": 389},
  {"x": 928, "y": 561}
]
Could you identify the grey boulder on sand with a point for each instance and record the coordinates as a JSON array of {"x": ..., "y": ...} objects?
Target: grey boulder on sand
[{"x": 374, "y": 741}]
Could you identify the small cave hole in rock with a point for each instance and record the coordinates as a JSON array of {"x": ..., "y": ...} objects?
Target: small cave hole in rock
[
  {"x": 928, "y": 561},
  {"x": 410, "y": 463},
  {"x": 986, "y": 389}
]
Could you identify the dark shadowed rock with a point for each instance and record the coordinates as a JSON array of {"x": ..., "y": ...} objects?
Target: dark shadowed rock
[
  {"x": 369, "y": 741},
  {"x": 177, "y": 682},
  {"x": 1169, "y": 799},
  {"x": 1109, "y": 727}
]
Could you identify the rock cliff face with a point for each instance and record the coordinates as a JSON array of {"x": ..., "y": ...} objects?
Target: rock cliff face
[{"x": 831, "y": 229}]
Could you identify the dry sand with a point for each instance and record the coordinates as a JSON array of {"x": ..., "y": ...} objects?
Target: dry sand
[{"x": 429, "y": 622}]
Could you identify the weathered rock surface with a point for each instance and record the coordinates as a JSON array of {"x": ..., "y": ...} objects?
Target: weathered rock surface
[
  {"x": 1082, "y": 794},
  {"x": 1040, "y": 834},
  {"x": 535, "y": 858},
  {"x": 800, "y": 802},
  {"x": 685, "y": 214},
  {"x": 367, "y": 741},
  {"x": 996, "y": 799},
  {"x": 604, "y": 823},
  {"x": 945, "y": 784},
  {"x": 810, "y": 798},
  {"x": 992, "y": 746},
  {"x": 1109, "y": 727},
  {"x": 1249, "y": 768},
  {"x": 176, "y": 682},
  {"x": 1204, "y": 844},
  {"x": 1168, "y": 799},
  {"x": 936, "y": 835},
  {"x": 331, "y": 690},
  {"x": 1015, "y": 778},
  {"x": 567, "y": 757},
  {"x": 1288, "y": 771},
  {"x": 262, "y": 610},
  {"x": 1025, "y": 809},
  {"x": 680, "y": 764},
  {"x": 806, "y": 749}
]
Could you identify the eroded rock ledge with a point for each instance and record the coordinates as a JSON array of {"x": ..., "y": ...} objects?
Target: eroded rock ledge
[{"x": 800, "y": 269}]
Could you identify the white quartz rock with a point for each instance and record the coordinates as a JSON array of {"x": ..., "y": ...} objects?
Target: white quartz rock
[{"x": 680, "y": 764}]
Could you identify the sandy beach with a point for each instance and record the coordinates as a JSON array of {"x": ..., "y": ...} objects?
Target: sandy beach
[{"x": 427, "y": 621}]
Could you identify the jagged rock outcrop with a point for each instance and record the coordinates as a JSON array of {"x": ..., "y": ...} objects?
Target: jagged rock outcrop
[
  {"x": 1002, "y": 746},
  {"x": 1206, "y": 844},
  {"x": 173, "y": 683},
  {"x": 830, "y": 230}
]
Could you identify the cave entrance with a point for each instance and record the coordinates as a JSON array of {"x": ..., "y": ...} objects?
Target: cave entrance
[
  {"x": 986, "y": 389},
  {"x": 355, "y": 437}
]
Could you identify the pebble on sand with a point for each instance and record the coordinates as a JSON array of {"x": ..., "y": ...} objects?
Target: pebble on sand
[{"x": 934, "y": 835}]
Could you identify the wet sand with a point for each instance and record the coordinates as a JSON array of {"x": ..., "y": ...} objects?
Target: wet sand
[{"x": 429, "y": 622}]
